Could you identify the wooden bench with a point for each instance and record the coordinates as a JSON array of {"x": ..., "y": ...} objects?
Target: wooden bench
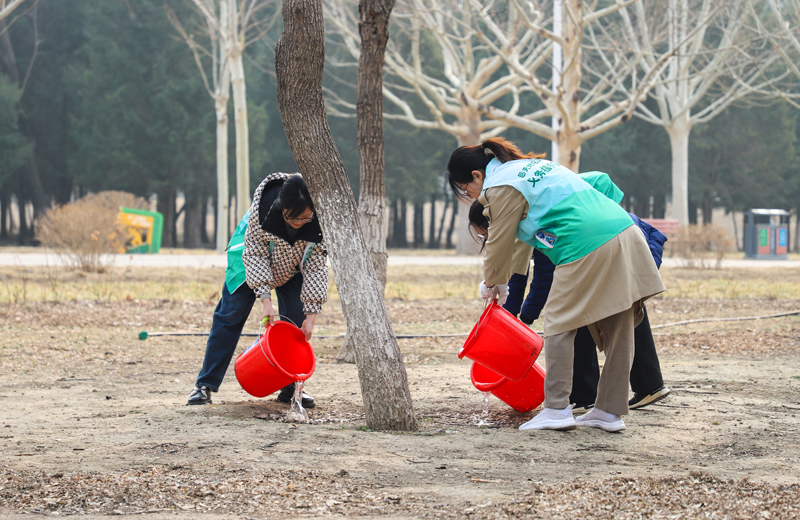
[{"x": 668, "y": 226}]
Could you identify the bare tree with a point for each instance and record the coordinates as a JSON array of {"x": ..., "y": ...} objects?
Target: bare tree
[
  {"x": 496, "y": 70},
  {"x": 231, "y": 25},
  {"x": 219, "y": 90},
  {"x": 717, "y": 62},
  {"x": 235, "y": 41},
  {"x": 374, "y": 31},
  {"x": 405, "y": 78},
  {"x": 28, "y": 179},
  {"x": 590, "y": 89},
  {"x": 299, "y": 62},
  {"x": 780, "y": 22},
  {"x": 8, "y": 6}
]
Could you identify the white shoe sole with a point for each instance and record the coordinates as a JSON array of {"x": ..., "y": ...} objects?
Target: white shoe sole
[
  {"x": 652, "y": 398},
  {"x": 566, "y": 424},
  {"x": 616, "y": 426}
]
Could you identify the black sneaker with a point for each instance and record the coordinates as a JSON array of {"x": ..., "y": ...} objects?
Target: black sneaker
[
  {"x": 200, "y": 395},
  {"x": 582, "y": 407},
  {"x": 640, "y": 400},
  {"x": 285, "y": 396}
]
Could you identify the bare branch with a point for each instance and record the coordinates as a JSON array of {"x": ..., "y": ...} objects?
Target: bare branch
[{"x": 8, "y": 6}]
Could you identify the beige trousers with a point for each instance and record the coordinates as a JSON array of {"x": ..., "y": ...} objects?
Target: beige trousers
[{"x": 614, "y": 336}]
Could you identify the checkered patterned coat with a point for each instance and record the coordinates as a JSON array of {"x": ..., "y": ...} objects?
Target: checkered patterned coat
[{"x": 270, "y": 261}]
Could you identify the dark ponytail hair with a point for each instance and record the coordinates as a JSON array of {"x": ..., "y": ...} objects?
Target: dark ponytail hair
[
  {"x": 467, "y": 159},
  {"x": 294, "y": 197},
  {"x": 477, "y": 220}
]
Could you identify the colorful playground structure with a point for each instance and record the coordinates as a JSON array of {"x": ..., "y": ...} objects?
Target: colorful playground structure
[{"x": 140, "y": 231}]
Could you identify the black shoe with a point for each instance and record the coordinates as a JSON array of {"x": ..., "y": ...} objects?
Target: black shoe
[
  {"x": 640, "y": 400},
  {"x": 200, "y": 395},
  {"x": 285, "y": 396},
  {"x": 582, "y": 407}
]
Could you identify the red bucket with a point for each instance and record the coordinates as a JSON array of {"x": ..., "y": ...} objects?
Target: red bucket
[
  {"x": 280, "y": 357},
  {"x": 523, "y": 396},
  {"x": 502, "y": 343}
]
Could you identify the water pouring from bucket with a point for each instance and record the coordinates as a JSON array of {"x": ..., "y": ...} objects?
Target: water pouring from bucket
[{"x": 296, "y": 412}]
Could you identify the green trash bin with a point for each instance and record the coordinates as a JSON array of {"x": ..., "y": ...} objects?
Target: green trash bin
[{"x": 143, "y": 230}]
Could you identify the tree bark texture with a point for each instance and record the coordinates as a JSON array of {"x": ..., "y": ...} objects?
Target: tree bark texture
[
  {"x": 299, "y": 61},
  {"x": 223, "y": 199},
  {"x": 679, "y": 143},
  {"x": 373, "y": 28},
  {"x": 568, "y": 99},
  {"x": 242, "y": 136}
]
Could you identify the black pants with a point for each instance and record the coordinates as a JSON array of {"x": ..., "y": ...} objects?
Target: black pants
[
  {"x": 229, "y": 320},
  {"x": 645, "y": 372}
]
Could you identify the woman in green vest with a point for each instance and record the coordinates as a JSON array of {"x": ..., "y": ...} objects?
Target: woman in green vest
[
  {"x": 603, "y": 274},
  {"x": 277, "y": 246}
]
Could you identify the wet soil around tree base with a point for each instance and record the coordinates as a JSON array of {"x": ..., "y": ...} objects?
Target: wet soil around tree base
[{"x": 94, "y": 423}]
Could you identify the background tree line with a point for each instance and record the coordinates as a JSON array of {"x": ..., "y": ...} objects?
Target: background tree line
[{"x": 98, "y": 95}]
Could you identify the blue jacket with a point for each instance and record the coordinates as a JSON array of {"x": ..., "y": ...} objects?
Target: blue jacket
[{"x": 543, "y": 276}]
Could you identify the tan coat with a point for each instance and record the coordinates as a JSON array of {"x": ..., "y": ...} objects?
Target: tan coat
[
  {"x": 498, "y": 266},
  {"x": 607, "y": 281}
]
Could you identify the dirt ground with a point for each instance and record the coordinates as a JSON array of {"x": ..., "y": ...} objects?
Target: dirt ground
[{"x": 94, "y": 423}]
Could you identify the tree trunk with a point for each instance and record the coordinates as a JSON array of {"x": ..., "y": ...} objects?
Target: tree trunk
[
  {"x": 465, "y": 245},
  {"x": 679, "y": 142},
  {"x": 204, "y": 238},
  {"x": 708, "y": 208},
  {"x": 418, "y": 225},
  {"x": 20, "y": 190},
  {"x": 796, "y": 230},
  {"x": 692, "y": 213},
  {"x": 299, "y": 61},
  {"x": 432, "y": 244},
  {"x": 34, "y": 189},
  {"x": 451, "y": 227},
  {"x": 441, "y": 223},
  {"x": 4, "y": 215},
  {"x": 659, "y": 206},
  {"x": 24, "y": 231},
  {"x": 242, "y": 136},
  {"x": 166, "y": 206},
  {"x": 567, "y": 102},
  {"x": 391, "y": 223},
  {"x": 223, "y": 198},
  {"x": 374, "y": 30},
  {"x": 192, "y": 220},
  {"x": 400, "y": 236}
]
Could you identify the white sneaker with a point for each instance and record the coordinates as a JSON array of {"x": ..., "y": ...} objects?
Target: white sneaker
[
  {"x": 597, "y": 418},
  {"x": 551, "y": 419}
]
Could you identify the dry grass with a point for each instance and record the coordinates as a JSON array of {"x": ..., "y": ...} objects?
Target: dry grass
[{"x": 405, "y": 283}]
